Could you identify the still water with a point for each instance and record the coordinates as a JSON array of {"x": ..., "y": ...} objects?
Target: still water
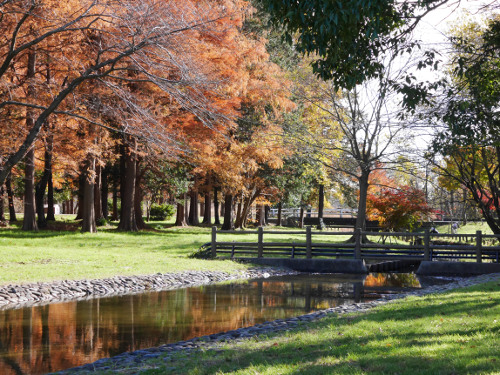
[{"x": 42, "y": 339}]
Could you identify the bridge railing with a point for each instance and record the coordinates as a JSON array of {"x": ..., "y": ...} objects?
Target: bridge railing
[{"x": 418, "y": 246}]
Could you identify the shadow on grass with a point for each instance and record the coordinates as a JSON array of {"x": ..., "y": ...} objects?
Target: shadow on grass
[
  {"x": 451, "y": 333},
  {"x": 46, "y": 233}
]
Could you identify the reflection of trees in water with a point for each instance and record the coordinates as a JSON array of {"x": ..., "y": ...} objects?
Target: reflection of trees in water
[
  {"x": 403, "y": 280},
  {"x": 57, "y": 336}
]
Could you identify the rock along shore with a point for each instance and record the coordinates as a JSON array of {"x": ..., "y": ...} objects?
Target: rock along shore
[
  {"x": 36, "y": 294},
  {"x": 163, "y": 353}
]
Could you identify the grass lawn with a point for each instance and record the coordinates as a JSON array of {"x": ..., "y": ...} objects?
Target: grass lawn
[
  {"x": 453, "y": 333},
  {"x": 469, "y": 228},
  {"x": 65, "y": 253},
  {"x": 68, "y": 254}
]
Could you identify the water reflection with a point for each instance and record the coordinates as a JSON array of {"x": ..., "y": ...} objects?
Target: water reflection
[{"x": 57, "y": 336}]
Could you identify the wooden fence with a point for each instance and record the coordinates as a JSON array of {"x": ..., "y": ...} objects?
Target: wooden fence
[{"x": 420, "y": 246}]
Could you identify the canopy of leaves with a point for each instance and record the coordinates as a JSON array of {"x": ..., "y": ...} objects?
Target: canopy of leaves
[
  {"x": 470, "y": 141},
  {"x": 349, "y": 36},
  {"x": 398, "y": 209}
]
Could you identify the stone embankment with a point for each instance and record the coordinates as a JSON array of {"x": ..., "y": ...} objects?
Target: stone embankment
[
  {"x": 131, "y": 360},
  {"x": 17, "y": 296}
]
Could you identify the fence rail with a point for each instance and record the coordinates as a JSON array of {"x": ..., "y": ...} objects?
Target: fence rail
[{"x": 421, "y": 246}]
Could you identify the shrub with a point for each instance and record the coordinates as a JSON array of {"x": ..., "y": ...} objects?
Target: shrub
[
  {"x": 160, "y": 212},
  {"x": 204, "y": 252},
  {"x": 101, "y": 222}
]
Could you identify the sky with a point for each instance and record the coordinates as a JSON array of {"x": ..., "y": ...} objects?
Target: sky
[
  {"x": 434, "y": 26},
  {"x": 432, "y": 32}
]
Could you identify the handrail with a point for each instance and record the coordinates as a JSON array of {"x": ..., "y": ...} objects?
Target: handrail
[{"x": 425, "y": 247}]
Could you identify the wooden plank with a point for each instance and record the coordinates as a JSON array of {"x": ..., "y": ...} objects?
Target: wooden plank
[
  {"x": 308, "y": 243},
  {"x": 214, "y": 242},
  {"x": 333, "y": 245}
]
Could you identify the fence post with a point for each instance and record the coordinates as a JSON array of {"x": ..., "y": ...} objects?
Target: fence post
[
  {"x": 427, "y": 245},
  {"x": 357, "y": 243},
  {"x": 213, "y": 246},
  {"x": 260, "y": 234},
  {"x": 479, "y": 246},
  {"x": 308, "y": 243}
]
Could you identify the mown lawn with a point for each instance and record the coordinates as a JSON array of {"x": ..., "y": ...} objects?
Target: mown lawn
[
  {"x": 469, "y": 228},
  {"x": 65, "y": 253},
  {"x": 453, "y": 333},
  {"x": 68, "y": 254}
]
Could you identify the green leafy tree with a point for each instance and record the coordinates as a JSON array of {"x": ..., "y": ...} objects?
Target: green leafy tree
[
  {"x": 470, "y": 141},
  {"x": 349, "y": 39}
]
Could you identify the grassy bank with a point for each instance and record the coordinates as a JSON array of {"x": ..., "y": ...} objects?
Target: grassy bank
[
  {"x": 453, "y": 333},
  {"x": 469, "y": 228},
  {"x": 65, "y": 253}
]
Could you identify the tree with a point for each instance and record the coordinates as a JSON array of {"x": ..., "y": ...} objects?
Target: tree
[
  {"x": 470, "y": 139},
  {"x": 350, "y": 39},
  {"x": 91, "y": 40},
  {"x": 396, "y": 209},
  {"x": 240, "y": 158},
  {"x": 355, "y": 132}
]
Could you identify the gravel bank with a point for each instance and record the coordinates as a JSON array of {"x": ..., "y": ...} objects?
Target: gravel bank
[{"x": 131, "y": 360}]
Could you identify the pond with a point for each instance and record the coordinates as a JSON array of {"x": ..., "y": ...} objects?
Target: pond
[{"x": 42, "y": 339}]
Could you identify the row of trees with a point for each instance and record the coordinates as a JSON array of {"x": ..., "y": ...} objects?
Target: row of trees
[
  {"x": 162, "y": 100},
  {"x": 99, "y": 89}
]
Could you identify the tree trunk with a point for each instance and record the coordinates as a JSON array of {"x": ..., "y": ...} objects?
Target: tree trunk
[
  {"x": 216, "y": 206},
  {"x": 186, "y": 208},
  {"x": 301, "y": 216},
  {"x": 114, "y": 216},
  {"x": 202, "y": 208},
  {"x": 127, "y": 216},
  {"x": 194, "y": 215},
  {"x": 363, "y": 193},
  {"x": 138, "y": 197},
  {"x": 29, "y": 221},
  {"x": 242, "y": 221},
  {"x": 238, "y": 222},
  {"x": 40, "y": 188},
  {"x": 50, "y": 198},
  {"x": 321, "y": 201},
  {"x": 97, "y": 193},
  {"x": 261, "y": 215},
  {"x": 180, "y": 218},
  {"x": 10, "y": 197},
  {"x": 79, "y": 196},
  {"x": 280, "y": 209},
  {"x": 2, "y": 202},
  {"x": 207, "y": 218},
  {"x": 228, "y": 212},
  {"x": 266, "y": 214},
  {"x": 88, "y": 203},
  {"x": 104, "y": 192}
]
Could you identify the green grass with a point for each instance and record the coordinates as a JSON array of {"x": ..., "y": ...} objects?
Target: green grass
[
  {"x": 453, "y": 333},
  {"x": 56, "y": 255},
  {"x": 49, "y": 255},
  {"x": 469, "y": 228},
  {"x": 68, "y": 254}
]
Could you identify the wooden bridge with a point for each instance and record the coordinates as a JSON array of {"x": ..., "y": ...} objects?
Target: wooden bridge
[{"x": 382, "y": 246}]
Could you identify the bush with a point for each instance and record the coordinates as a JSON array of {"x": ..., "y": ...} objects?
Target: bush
[
  {"x": 160, "y": 212},
  {"x": 204, "y": 252},
  {"x": 101, "y": 222}
]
